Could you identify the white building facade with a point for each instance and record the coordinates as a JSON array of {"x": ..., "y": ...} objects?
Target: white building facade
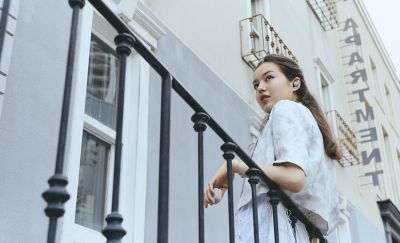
[{"x": 211, "y": 48}]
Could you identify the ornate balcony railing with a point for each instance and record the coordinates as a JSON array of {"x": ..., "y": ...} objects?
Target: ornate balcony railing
[
  {"x": 347, "y": 138},
  {"x": 326, "y": 13},
  {"x": 57, "y": 195},
  {"x": 258, "y": 38}
]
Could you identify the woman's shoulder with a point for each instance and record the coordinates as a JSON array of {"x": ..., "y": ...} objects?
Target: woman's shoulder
[{"x": 292, "y": 109}]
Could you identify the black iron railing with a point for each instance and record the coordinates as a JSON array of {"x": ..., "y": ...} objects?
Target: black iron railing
[
  {"x": 3, "y": 23},
  {"x": 57, "y": 195}
]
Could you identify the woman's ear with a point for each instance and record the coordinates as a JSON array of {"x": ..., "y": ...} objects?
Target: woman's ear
[{"x": 296, "y": 83}]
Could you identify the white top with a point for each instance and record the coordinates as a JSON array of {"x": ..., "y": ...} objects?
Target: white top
[{"x": 292, "y": 135}]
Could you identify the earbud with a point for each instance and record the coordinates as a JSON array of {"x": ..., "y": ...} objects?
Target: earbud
[{"x": 295, "y": 84}]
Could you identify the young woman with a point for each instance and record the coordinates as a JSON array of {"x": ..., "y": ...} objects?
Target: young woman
[{"x": 295, "y": 148}]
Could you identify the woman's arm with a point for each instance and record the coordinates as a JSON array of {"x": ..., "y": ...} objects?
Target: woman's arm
[{"x": 288, "y": 175}]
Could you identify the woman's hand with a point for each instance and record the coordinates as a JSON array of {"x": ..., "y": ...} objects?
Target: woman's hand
[{"x": 220, "y": 180}]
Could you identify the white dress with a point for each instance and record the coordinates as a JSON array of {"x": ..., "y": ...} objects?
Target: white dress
[
  {"x": 244, "y": 232},
  {"x": 291, "y": 135}
]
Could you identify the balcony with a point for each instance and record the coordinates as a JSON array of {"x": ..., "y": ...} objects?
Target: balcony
[
  {"x": 326, "y": 13},
  {"x": 347, "y": 138},
  {"x": 258, "y": 38},
  {"x": 125, "y": 41}
]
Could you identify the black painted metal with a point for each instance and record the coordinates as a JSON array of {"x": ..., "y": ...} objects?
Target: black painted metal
[
  {"x": 57, "y": 194},
  {"x": 119, "y": 25},
  {"x": 200, "y": 119},
  {"x": 113, "y": 230},
  {"x": 168, "y": 82},
  {"x": 274, "y": 200},
  {"x": 163, "y": 179},
  {"x": 293, "y": 221},
  {"x": 3, "y": 23},
  {"x": 229, "y": 154},
  {"x": 285, "y": 200},
  {"x": 254, "y": 175},
  {"x": 55, "y": 197},
  {"x": 311, "y": 236}
]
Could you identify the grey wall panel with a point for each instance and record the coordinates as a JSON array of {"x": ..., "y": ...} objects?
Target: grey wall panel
[
  {"x": 363, "y": 230},
  {"x": 30, "y": 118},
  {"x": 227, "y": 108}
]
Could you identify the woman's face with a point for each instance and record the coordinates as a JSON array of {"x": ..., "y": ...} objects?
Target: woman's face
[{"x": 271, "y": 86}]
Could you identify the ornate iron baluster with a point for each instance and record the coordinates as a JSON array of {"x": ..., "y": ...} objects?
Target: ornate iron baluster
[
  {"x": 229, "y": 148},
  {"x": 57, "y": 194},
  {"x": 274, "y": 200},
  {"x": 254, "y": 175},
  {"x": 163, "y": 183},
  {"x": 200, "y": 119},
  {"x": 114, "y": 231}
]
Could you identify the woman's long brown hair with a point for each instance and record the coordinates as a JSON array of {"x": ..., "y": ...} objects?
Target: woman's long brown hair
[{"x": 292, "y": 70}]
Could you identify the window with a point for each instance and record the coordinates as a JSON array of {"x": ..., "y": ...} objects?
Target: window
[
  {"x": 392, "y": 169},
  {"x": 92, "y": 139},
  {"x": 375, "y": 81},
  {"x": 102, "y": 83},
  {"x": 398, "y": 157},
  {"x": 98, "y": 136},
  {"x": 90, "y": 204},
  {"x": 326, "y": 94},
  {"x": 325, "y": 82},
  {"x": 256, "y": 25},
  {"x": 390, "y": 105}
]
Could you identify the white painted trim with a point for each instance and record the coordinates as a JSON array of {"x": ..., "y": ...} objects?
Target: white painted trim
[
  {"x": 97, "y": 128},
  {"x": 267, "y": 10},
  {"x": 319, "y": 82},
  {"x": 135, "y": 136},
  {"x": 145, "y": 28},
  {"x": 343, "y": 229},
  {"x": 325, "y": 71},
  {"x": 140, "y": 183},
  {"x": 77, "y": 111},
  {"x": 321, "y": 69},
  {"x": 147, "y": 23},
  {"x": 126, "y": 9}
]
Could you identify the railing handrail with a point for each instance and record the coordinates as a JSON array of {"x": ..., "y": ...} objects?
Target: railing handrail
[
  {"x": 3, "y": 23},
  {"x": 121, "y": 27}
]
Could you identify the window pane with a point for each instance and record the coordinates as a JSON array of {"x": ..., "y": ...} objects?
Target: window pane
[
  {"x": 102, "y": 83},
  {"x": 90, "y": 202}
]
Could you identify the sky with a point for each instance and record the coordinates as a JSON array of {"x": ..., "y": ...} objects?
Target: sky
[{"x": 386, "y": 18}]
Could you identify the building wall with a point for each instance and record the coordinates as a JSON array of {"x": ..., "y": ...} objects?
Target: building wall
[
  {"x": 232, "y": 114},
  {"x": 30, "y": 117},
  {"x": 213, "y": 35},
  {"x": 299, "y": 28},
  {"x": 201, "y": 48},
  {"x": 372, "y": 49}
]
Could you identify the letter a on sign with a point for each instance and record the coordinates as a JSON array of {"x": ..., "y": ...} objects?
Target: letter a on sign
[
  {"x": 349, "y": 23},
  {"x": 355, "y": 57}
]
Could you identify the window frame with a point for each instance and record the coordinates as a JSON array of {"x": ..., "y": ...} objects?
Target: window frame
[{"x": 133, "y": 175}]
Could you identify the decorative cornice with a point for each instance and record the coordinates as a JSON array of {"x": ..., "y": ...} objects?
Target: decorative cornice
[
  {"x": 134, "y": 14},
  {"x": 345, "y": 208}
]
